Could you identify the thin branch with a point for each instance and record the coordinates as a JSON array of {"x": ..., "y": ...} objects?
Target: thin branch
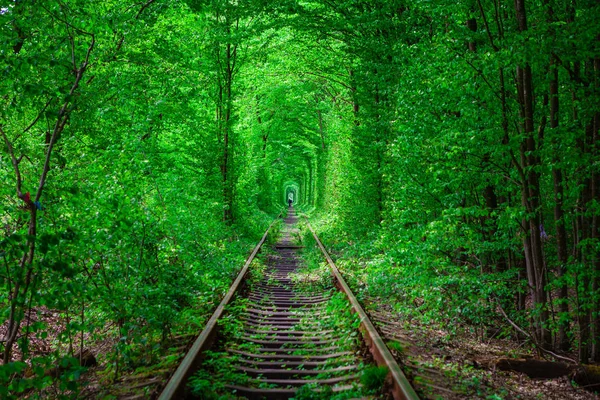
[
  {"x": 501, "y": 168},
  {"x": 329, "y": 79},
  {"x": 73, "y": 61},
  {"x": 8, "y": 277},
  {"x": 574, "y": 77},
  {"x": 144, "y": 7},
  {"x": 498, "y": 21},
  {"x": 482, "y": 75},
  {"x": 38, "y": 116},
  {"x": 433, "y": 196},
  {"x": 63, "y": 117},
  {"x": 24, "y": 156},
  {"x": 487, "y": 27},
  {"x": 15, "y": 162},
  {"x": 536, "y": 344},
  {"x": 64, "y": 21}
]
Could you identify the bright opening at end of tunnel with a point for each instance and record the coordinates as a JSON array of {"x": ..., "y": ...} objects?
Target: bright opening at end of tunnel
[{"x": 291, "y": 194}]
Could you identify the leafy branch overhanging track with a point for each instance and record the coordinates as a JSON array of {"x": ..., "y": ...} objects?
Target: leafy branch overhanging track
[{"x": 284, "y": 341}]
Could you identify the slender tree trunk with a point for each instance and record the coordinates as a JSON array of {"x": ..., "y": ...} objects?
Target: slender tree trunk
[
  {"x": 472, "y": 25},
  {"x": 584, "y": 231},
  {"x": 489, "y": 224},
  {"x": 562, "y": 340},
  {"x": 226, "y": 57},
  {"x": 354, "y": 96},
  {"x": 227, "y": 147},
  {"x": 595, "y": 149},
  {"x": 532, "y": 223},
  {"x": 321, "y": 128},
  {"x": 561, "y": 233}
]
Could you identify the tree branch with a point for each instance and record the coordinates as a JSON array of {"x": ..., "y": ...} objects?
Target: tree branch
[
  {"x": 38, "y": 116},
  {"x": 143, "y": 8},
  {"x": 487, "y": 27},
  {"x": 574, "y": 77},
  {"x": 67, "y": 23},
  {"x": 536, "y": 344},
  {"x": 481, "y": 74},
  {"x": 15, "y": 162},
  {"x": 329, "y": 79},
  {"x": 63, "y": 116}
]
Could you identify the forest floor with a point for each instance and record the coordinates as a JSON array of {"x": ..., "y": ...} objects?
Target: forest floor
[
  {"x": 440, "y": 365},
  {"x": 38, "y": 346},
  {"x": 156, "y": 360},
  {"x": 462, "y": 365}
]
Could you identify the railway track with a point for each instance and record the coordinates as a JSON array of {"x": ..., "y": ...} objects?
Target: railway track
[{"x": 281, "y": 332}]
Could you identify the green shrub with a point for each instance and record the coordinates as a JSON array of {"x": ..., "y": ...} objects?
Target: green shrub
[{"x": 373, "y": 378}]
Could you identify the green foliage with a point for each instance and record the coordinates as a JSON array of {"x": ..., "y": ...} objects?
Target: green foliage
[
  {"x": 373, "y": 378},
  {"x": 424, "y": 192},
  {"x": 308, "y": 392},
  {"x": 315, "y": 392},
  {"x": 129, "y": 234},
  {"x": 208, "y": 383},
  {"x": 144, "y": 148}
]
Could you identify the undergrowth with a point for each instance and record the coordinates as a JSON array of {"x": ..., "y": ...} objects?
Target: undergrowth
[{"x": 312, "y": 277}]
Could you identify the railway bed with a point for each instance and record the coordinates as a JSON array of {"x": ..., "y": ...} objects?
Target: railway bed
[{"x": 276, "y": 334}]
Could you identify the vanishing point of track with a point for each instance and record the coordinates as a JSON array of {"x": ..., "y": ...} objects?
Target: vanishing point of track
[{"x": 283, "y": 343}]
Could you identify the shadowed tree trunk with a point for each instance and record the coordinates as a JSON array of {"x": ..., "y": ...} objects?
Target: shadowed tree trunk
[
  {"x": 562, "y": 340},
  {"x": 226, "y": 58},
  {"x": 530, "y": 192},
  {"x": 595, "y": 311}
]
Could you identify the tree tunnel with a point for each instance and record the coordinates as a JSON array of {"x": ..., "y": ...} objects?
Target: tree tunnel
[
  {"x": 291, "y": 192},
  {"x": 296, "y": 178}
]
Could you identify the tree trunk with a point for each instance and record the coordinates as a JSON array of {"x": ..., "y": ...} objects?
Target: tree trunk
[
  {"x": 530, "y": 195},
  {"x": 595, "y": 149},
  {"x": 562, "y": 340},
  {"x": 561, "y": 233},
  {"x": 226, "y": 66}
]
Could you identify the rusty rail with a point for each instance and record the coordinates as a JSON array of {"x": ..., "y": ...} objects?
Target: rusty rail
[
  {"x": 176, "y": 386},
  {"x": 401, "y": 387}
]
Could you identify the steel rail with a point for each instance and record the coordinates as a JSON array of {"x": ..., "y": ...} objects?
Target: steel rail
[
  {"x": 175, "y": 387},
  {"x": 401, "y": 387}
]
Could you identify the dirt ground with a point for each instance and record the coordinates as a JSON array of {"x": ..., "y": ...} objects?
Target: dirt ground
[
  {"x": 440, "y": 365},
  {"x": 463, "y": 366}
]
